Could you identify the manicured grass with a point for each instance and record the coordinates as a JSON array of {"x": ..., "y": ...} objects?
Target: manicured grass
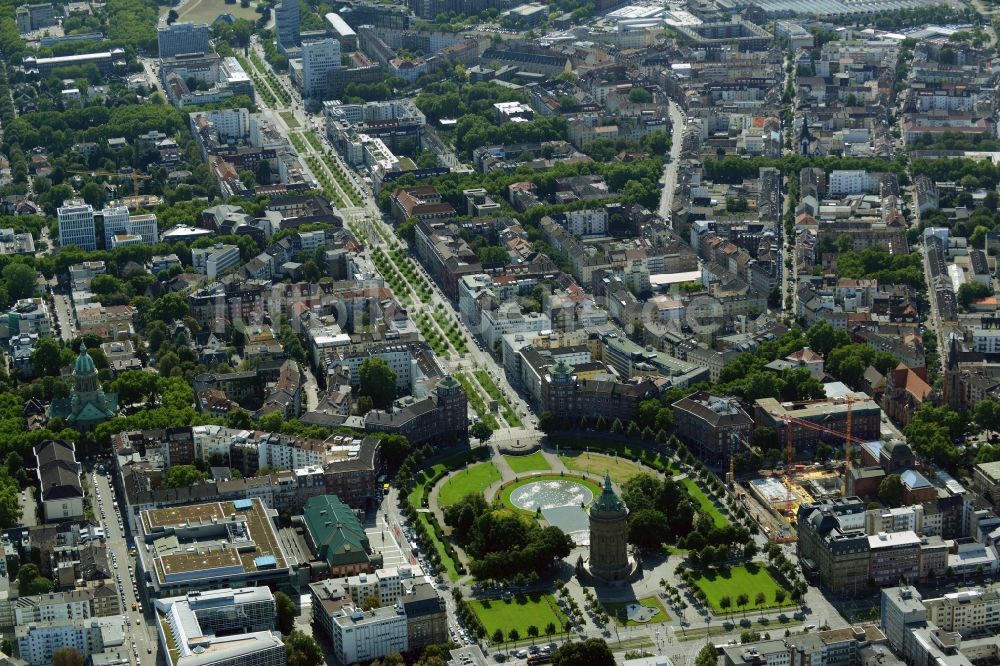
[
  {"x": 616, "y": 610},
  {"x": 621, "y": 470},
  {"x": 475, "y": 479},
  {"x": 535, "y": 462},
  {"x": 705, "y": 505},
  {"x": 519, "y": 613},
  {"x": 290, "y": 119},
  {"x": 746, "y": 579},
  {"x": 580, "y": 442},
  {"x": 505, "y": 493}
]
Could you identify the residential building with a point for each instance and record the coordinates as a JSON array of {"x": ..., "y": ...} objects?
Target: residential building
[
  {"x": 182, "y": 39},
  {"x": 987, "y": 482},
  {"x": 82, "y": 603},
  {"x": 76, "y": 225},
  {"x": 59, "y": 480},
  {"x": 442, "y": 416},
  {"x": 895, "y": 556},
  {"x": 426, "y": 616},
  {"x": 220, "y": 628},
  {"x": 715, "y": 427},
  {"x": 37, "y": 641},
  {"x": 216, "y": 260}
]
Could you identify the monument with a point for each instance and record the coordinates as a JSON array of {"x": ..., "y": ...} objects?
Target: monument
[{"x": 608, "y": 536}]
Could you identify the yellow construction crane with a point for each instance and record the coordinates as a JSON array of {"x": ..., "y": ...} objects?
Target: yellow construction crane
[{"x": 135, "y": 176}]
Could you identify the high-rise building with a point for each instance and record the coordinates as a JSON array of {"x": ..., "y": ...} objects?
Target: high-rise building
[
  {"x": 76, "y": 224},
  {"x": 179, "y": 38},
  {"x": 35, "y": 17},
  {"x": 117, "y": 221},
  {"x": 318, "y": 58},
  {"x": 287, "y": 23}
]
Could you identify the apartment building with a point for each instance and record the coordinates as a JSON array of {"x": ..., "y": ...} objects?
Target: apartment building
[{"x": 216, "y": 260}]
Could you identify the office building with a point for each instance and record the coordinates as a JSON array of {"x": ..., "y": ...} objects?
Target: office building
[
  {"x": 287, "y": 24},
  {"x": 216, "y": 545},
  {"x": 35, "y": 17},
  {"x": 182, "y": 38},
  {"x": 220, "y": 628},
  {"x": 713, "y": 426},
  {"x": 76, "y": 224},
  {"x": 215, "y": 260},
  {"x": 319, "y": 57},
  {"x": 117, "y": 221},
  {"x": 361, "y": 636}
]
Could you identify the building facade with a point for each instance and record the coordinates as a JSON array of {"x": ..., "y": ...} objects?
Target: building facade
[{"x": 76, "y": 225}]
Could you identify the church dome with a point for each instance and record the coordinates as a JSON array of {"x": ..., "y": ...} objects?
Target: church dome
[{"x": 84, "y": 364}]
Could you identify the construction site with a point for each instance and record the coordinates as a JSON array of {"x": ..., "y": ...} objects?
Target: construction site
[{"x": 845, "y": 422}]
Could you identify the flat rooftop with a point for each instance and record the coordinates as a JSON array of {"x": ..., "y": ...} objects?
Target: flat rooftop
[{"x": 211, "y": 539}]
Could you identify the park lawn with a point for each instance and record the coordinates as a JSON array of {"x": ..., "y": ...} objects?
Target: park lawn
[
  {"x": 206, "y": 11},
  {"x": 616, "y": 609},
  {"x": 290, "y": 119},
  {"x": 519, "y": 613},
  {"x": 474, "y": 479},
  {"x": 509, "y": 488},
  {"x": 705, "y": 505},
  {"x": 746, "y": 579},
  {"x": 621, "y": 470},
  {"x": 580, "y": 442},
  {"x": 535, "y": 462}
]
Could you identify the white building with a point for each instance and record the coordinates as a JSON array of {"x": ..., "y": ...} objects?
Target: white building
[
  {"x": 854, "y": 181},
  {"x": 386, "y": 585},
  {"x": 472, "y": 289},
  {"x": 117, "y": 221},
  {"x": 508, "y": 318},
  {"x": 360, "y": 636},
  {"x": 76, "y": 224},
  {"x": 37, "y": 641},
  {"x": 215, "y": 260},
  {"x": 283, "y": 452},
  {"x": 220, "y": 628},
  {"x": 986, "y": 340},
  {"x": 319, "y": 57},
  {"x": 29, "y": 315},
  {"x": 593, "y": 222}
]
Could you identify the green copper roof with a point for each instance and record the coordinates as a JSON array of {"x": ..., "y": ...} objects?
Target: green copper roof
[
  {"x": 608, "y": 502},
  {"x": 84, "y": 364}
]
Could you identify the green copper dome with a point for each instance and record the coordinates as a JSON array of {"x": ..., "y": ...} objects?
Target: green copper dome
[
  {"x": 608, "y": 502},
  {"x": 84, "y": 364}
]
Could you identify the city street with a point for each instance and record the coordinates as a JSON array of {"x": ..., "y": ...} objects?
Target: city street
[
  {"x": 141, "y": 640},
  {"x": 669, "y": 180}
]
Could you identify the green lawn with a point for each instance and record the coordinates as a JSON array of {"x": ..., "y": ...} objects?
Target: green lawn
[
  {"x": 519, "y": 613},
  {"x": 705, "y": 505},
  {"x": 535, "y": 462},
  {"x": 621, "y": 470},
  {"x": 475, "y": 479},
  {"x": 616, "y": 610},
  {"x": 290, "y": 119},
  {"x": 746, "y": 579},
  {"x": 505, "y": 493}
]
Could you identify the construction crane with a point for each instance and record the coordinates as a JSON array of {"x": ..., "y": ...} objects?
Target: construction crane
[
  {"x": 790, "y": 446},
  {"x": 135, "y": 176}
]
